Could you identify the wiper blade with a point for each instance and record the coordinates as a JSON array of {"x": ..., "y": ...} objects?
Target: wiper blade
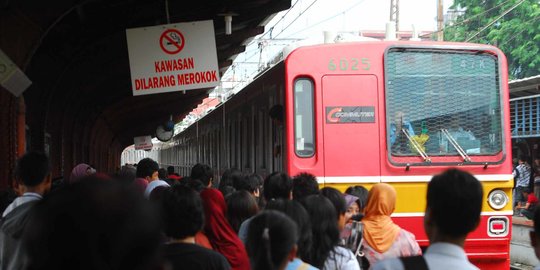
[
  {"x": 456, "y": 145},
  {"x": 416, "y": 146}
]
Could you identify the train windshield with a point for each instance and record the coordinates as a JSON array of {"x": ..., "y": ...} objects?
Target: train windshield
[{"x": 442, "y": 103}]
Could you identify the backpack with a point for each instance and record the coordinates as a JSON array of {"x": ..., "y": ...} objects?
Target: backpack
[{"x": 414, "y": 263}]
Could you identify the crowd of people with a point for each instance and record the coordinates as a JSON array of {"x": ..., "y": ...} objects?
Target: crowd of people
[{"x": 146, "y": 218}]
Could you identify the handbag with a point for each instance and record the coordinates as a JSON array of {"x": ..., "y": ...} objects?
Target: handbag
[{"x": 363, "y": 262}]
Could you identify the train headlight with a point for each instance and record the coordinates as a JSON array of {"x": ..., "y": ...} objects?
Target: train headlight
[{"x": 497, "y": 199}]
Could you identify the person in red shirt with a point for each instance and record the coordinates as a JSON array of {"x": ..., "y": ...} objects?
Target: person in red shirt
[{"x": 528, "y": 208}]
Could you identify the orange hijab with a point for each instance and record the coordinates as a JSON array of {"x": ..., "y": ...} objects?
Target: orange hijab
[{"x": 380, "y": 232}]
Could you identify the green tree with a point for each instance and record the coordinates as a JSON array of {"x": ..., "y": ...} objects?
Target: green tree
[{"x": 517, "y": 33}]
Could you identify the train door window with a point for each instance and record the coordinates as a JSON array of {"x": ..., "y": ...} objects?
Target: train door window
[{"x": 304, "y": 132}]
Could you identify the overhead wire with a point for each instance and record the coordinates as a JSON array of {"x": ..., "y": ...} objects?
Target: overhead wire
[
  {"x": 327, "y": 19},
  {"x": 468, "y": 20},
  {"x": 299, "y": 15},
  {"x": 495, "y": 20},
  {"x": 519, "y": 33}
]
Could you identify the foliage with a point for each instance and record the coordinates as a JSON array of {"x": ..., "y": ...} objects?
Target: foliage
[{"x": 517, "y": 33}]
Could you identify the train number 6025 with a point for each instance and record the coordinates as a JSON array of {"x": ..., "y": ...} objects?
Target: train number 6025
[{"x": 349, "y": 64}]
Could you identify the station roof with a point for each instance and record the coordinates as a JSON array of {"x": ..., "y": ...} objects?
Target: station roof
[
  {"x": 75, "y": 54},
  {"x": 529, "y": 86}
]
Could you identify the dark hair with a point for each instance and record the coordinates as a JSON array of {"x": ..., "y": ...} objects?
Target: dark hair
[
  {"x": 324, "y": 228},
  {"x": 360, "y": 192},
  {"x": 158, "y": 193},
  {"x": 127, "y": 174},
  {"x": 182, "y": 212},
  {"x": 194, "y": 184},
  {"x": 298, "y": 213},
  {"x": 32, "y": 168},
  {"x": 454, "y": 199},
  {"x": 276, "y": 112},
  {"x": 146, "y": 167},
  {"x": 93, "y": 224},
  {"x": 271, "y": 237},
  {"x": 227, "y": 180},
  {"x": 248, "y": 183},
  {"x": 336, "y": 198},
  {"x": 162, "y": 174},
  {"x": 203, "y": 173},
  {"x": 523, "y": 158},
  {"x": 304, "y": 184},
  {"x": 277, "y": 185},
  {"x": 240, "y": 206},
  {"x": 170, "y": 170}
]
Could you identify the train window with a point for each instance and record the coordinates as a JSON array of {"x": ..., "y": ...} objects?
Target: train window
[
  {"x": 304, "y": 118},
  {"x": 442, "y": 103}
]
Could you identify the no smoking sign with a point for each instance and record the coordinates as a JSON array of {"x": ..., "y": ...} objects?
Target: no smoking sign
[{"x": 171, "y": 41}]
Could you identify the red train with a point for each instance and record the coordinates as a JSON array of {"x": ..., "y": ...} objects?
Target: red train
[{"x": 369, "y": 112}]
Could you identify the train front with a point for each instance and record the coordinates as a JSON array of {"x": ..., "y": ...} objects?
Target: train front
[{"x": 400, "y": 112}]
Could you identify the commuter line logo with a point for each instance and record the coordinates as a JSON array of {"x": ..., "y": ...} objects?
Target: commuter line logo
[{"x": 172, "y": 41}]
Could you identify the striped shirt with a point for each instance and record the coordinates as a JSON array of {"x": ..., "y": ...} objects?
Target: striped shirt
[{"x": 524, "y": 175}]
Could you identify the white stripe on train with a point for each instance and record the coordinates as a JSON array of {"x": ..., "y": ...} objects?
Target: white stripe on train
[
  {"x": 397, "y": 179},
  {"x": 421, "y": 214}
]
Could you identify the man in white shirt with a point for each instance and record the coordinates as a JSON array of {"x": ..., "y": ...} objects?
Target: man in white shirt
[
  {"x": 454, "y": 203},
  {"x": 32, "y": 176}
]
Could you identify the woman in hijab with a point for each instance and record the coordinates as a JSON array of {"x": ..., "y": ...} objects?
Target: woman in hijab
[
  {"x": 382, "y": 238},
  {"x": 80, "y": 171},
  {"x": 220, "y": 233}
]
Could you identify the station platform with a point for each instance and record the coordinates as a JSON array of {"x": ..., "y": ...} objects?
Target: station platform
[{"x": 522, "y": 255}]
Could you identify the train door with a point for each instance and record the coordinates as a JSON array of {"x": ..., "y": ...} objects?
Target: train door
[{"x": 350, "y": 128}]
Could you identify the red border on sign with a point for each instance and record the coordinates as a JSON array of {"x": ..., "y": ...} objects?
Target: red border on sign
[{"x": 169, "y": 39}]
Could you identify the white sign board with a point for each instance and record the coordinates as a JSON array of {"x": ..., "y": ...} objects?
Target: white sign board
[
  {"x": 173, "y": 57},
  {"x": 11, "y": 77},
  {"x": 143, "y": 143}
]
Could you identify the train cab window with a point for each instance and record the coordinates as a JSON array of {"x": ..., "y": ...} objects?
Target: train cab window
[
  {"x": 443, "y": 103},
  {"x": 304, "y": 130}
]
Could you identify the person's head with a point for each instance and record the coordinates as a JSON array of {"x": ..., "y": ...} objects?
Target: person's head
[
  {"x": 147, "y": 168},
  {"x": 127, "y": 173},
  {"x": 194, "y": 184},
  {"x": 454, "y": 203},
  {"x": 101, "y": 224},
  {"x": 324, "y": 226},
  {"x": 299, "y": 215},
  {"x": 523, "y": 159},
  {"x": 170, "y": 170},
  {"x": 162, "y": 174},
  {"x": 182, "y": 212},
  {"x": 526, "y": 191},
  {"x": 277, "y": 185},
  {"x": 276, "y": 113},
  {"x": 33, "y": 170},
  {"x": 352, "y": 207},
  {"x": 535, "y": 235},
  {"x": 248, "y": 183},
  {"x": 381, "y": 200},
  {"x": 361, "y": 193},
  {"x": 271, "y": 240},
  {"x": 337, "y": 199},
  {"x": 304, "y": 184},
  {"x": 240, "y": 206},
  {"x": 537, "y": 161},
  {"x": 80, "y": 171},
  {"x": 203, "y": 173}
]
